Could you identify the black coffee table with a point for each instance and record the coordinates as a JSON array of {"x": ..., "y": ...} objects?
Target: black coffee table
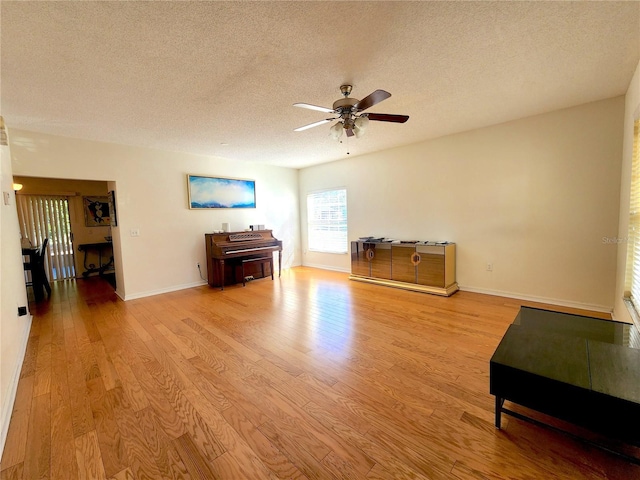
[{"x": 582, "y": 370}]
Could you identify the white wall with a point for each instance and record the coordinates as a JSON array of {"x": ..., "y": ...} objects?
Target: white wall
[
  {"x": 151, "y": 195},
  {"x": 14, "y": 330},
  {"x": 534, "y": 197},
  {"x": 631, "y": 113}
]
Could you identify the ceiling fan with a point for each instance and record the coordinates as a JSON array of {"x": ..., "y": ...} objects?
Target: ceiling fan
[{"x": 350, "y": 116}]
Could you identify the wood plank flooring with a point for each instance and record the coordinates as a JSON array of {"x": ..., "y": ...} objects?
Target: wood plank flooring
[{"x": 310, "y": 376}]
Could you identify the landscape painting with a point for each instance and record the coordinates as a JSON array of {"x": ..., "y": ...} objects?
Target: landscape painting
[{"x": 218, "y": 192}]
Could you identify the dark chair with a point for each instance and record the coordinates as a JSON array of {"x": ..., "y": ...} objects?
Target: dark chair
[{"x": 38, "y": 273}]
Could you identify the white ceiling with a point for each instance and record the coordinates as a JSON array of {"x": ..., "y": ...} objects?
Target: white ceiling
[{"x": 194, "y": 76}]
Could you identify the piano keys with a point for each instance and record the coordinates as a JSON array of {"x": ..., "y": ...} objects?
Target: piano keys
[{"x": 226, "y": 251}]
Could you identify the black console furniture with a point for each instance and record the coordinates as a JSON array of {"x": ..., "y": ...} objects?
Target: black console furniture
[
  {"x": 99, "y": 248},
  {"x": 580, "y": 369}
]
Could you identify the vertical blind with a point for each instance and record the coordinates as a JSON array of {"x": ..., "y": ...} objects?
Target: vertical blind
[
  {"x": 632, "y": 280},
  {"x": 47, "y": 216},
  {"x": 327, "y": 221}
]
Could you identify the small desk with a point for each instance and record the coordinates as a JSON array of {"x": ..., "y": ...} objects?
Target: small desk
[
  {"x": 98, "y": 248},
  {"x": 582, "y": 370}
]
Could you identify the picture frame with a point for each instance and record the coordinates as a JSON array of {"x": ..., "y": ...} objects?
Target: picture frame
[
  {"x": 207, "y": 192},
  {"x": 96, "y": 211},
  {"x": 112, "y": 208}
]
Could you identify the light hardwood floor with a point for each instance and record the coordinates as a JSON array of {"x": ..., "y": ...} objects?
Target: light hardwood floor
[{"x": 308, "y": 376}]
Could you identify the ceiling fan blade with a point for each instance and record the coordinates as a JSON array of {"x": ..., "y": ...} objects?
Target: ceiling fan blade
[
  {"x": 314, "y": 107},
  {"x": 372, "y": 99},
  {"x": 384, "y": 117},
  {"x": 350, "y": 132},
  {"x": 315, "y": 124}
]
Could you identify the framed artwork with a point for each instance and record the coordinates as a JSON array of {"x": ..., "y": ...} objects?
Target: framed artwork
[
  {"x": 218, "y": 192},
  {"x": 112, "y": 208},
  {"x": 96, "y": 211}
]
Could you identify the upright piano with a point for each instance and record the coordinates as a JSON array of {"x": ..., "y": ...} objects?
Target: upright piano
[{"x": 227, "y": 251}]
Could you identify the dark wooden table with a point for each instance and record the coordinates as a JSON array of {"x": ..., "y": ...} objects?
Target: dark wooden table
[{"x": 580, "y": 369}]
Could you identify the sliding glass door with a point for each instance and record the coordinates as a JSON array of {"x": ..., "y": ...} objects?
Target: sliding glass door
[{"x": 47, "y": 216}]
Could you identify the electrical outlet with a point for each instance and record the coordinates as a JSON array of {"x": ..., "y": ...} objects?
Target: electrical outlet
[
  {"x": 135, "y": 232},
  {"x": 198, "y": 265},
  {"x": 489, "y": 267}
]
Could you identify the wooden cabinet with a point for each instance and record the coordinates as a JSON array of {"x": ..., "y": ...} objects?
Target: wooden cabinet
[
  {"x": 404, "y": 269},
  {"x": 360, "y": 264},
  {"x": 380, "y": 258},
  {"x": 437, "y": 265},
  {"x": 420, "y": 266},
  {"x": 370, "y": 259}
]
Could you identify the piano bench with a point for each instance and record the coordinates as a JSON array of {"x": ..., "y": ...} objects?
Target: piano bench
[{"x": 261, "y": 261}]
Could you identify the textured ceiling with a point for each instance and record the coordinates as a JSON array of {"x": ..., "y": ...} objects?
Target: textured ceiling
[{"x": 220, "y": 78}]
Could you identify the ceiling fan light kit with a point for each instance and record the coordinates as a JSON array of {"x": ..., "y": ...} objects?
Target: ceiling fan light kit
[
  {"x": 350, "y": 114},
  {"x": 336, "y": 131},
  {"x": 360, "y": 125}
]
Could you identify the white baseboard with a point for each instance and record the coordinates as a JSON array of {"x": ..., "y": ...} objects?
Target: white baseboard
[
  {"x": 150, "y": 293},
  {"x": 530, "y": 298},
  {"x": 499, "y": 293},
  {"x": 7, "y": 408},
  {"x": 326, "y": 267}
]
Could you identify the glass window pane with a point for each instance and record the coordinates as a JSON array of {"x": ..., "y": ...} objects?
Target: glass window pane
[{"x": 327, "y": 221}]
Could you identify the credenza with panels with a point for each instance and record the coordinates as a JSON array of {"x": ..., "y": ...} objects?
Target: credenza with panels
[{"x": 428, "y": 267}]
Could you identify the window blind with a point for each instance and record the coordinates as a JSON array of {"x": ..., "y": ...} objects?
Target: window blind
[
  {"x": 47, "y": 216},
  {"x": 632, "y": 279},
  {"x": 327, "y": 221}
]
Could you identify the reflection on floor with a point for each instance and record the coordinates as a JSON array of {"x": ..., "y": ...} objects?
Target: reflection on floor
[
  {"x": 70, "y": 285},
  {"x": 111, "y": 278}
]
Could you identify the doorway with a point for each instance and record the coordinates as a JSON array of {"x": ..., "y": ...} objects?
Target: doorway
[{"x": 70, "y": 216}]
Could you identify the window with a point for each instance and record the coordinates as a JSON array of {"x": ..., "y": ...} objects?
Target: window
[
  {"x": 632, "y": 280},
  {"x": 327, "y": 221}
]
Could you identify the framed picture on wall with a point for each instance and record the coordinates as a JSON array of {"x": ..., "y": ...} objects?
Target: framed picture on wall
[
  {"x": 112, "y": 208},
  {"x": 96, "y": 211},
  {"x": 219, "y": 192}
]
